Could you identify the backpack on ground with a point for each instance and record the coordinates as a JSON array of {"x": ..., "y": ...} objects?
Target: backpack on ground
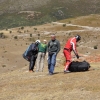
[
  {"x": 27, "y": 54},
  {"x": 79, "y": 66}
]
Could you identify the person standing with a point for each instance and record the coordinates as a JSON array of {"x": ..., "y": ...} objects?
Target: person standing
[
  {"x": 42, "y": 48},
  {"x": 33, "y": 55},
  {"x": 53, "y": 49},
  {"x": 69, "y": 46}
]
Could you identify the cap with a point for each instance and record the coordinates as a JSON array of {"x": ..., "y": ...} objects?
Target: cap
[{"x": 37, "y": 41}]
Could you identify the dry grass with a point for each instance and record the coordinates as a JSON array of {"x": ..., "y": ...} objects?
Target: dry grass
[
  {"x": 16, "y": 83},
  {"x": 91, "y": 20},
  {"x": 23, "y": 85}
]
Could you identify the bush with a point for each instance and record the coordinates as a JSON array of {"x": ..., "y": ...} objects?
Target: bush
[
  {"x": 35, "y": 29},
  {"x": 64, "y": 25},
  {"x": 69, "y": 22},
  {"x": 95, "y": 47},
  {"x": 10, "y": 31},
  {"x": 15, "y": 37},
  {"x": 1, "y": 34},
  {"x": 30, "y": 35},
  {"x": 22, "y": 27},
  {"x": 3, "y": 65}
]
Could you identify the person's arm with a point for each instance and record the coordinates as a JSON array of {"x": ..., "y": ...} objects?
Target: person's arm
[
  {"x": 73, "y": 42},
  {"x": 58, "y": 43},
  {"x": 45, "y": 49},
  {"x": 48, "y": 46}
]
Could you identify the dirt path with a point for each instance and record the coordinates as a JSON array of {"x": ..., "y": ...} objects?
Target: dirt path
[{"x": 85, "y": 28}]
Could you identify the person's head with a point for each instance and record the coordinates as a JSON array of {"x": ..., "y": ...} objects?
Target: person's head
[
  {"x": 37, "y": 41},
  {"x": 78, "y": 38},
  {"x": 45, "y": 41},
  {"x": 53, "y": 37}
]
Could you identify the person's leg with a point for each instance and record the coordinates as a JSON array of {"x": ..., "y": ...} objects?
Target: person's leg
[
  {"x": 49, "y": 62},
  {"x": 53, "y": 63},
  {"x": 32, "y": 63},
  {"x": 67, "y": 55},
  {"x": 42, "y": 61},
  {"x": 38, "y": 61}
]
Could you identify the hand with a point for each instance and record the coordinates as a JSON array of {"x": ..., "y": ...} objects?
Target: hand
[
  {"x": 77, "y": 56},
  {"x": 56, "y": 54},
  {"x": 47, "y": 58}
]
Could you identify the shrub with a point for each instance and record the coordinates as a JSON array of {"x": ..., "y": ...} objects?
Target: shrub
[
  {"x": 64, "y": 25},
  {"x": 69, "y": 22},
  {"x": 95, "y": 47},
  {"x": 15, "y": 37},
  {"x": 3, "y": 65},
  {"x": 1, "y": 34},
  {"x": 30, "y": 35},
  {"x": 35, "y": 29},
  {"x": 38, "y": 34},
  {"x": 22, "y": 27},
  {"x": 10, "y": 32},
  {"x": 6, "y": 29}
]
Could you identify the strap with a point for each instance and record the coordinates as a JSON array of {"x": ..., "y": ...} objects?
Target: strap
[{"x": 66, "y": 49}]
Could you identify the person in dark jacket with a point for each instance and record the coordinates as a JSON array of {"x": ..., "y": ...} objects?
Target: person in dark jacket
[
  {"x": 53, "y": 49},
  {"x": 33, "y": 56}
]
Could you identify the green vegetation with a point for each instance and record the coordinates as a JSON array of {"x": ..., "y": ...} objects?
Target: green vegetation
[
  {"x": 54, "y": 10},
  {"x": 16, "y": 20}
]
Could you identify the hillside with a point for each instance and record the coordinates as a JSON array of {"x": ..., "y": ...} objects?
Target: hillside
[
  {"x": 79, "y": 6},
  {"x": 17, "y": 83},
  {"x": 49, "y": 10}
]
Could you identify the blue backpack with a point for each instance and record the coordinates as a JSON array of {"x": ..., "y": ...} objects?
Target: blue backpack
[{"x": 27, "y": 54}]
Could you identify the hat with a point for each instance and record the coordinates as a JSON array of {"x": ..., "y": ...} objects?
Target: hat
[
  {"x": 45, "y": 40},
  {"x": 37, "y": 41}
]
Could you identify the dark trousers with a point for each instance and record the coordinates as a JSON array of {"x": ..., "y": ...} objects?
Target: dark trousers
[{"x": 32, "y": 62}]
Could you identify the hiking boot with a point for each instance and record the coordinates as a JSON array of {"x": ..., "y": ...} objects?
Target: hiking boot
[
  {"x": 31, "y": 71},
  {"x": 50, "y": 73},
  {"x": 66, "y": 71}
]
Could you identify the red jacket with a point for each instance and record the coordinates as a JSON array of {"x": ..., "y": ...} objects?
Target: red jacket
[{"x": 71, "y": 45}]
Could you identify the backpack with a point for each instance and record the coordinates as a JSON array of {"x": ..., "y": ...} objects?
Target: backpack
[
  {"x": 29, "y": 51},
  {"x": 79, "y": 66}
]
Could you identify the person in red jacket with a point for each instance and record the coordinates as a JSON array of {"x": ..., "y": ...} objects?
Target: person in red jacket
[{"x": 70, "y": 46}]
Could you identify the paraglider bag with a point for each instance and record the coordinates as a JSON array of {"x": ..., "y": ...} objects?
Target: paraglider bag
[
  {"x": 26, "y": 57},
  {"x": 79, "y": 66},
  {"x": 27, "y": 54}
]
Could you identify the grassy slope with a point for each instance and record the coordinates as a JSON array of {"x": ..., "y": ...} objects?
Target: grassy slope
[
  {"x": 48, "y": 8},
  {"x": 21, "y": 85}
]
